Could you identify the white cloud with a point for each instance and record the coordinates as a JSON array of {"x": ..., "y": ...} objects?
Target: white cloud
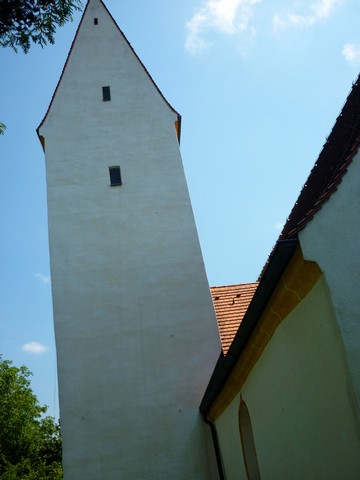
[
  {"x": 194, "y": 43},
  {"x": 301, "y": 21},
  {"x": 230, "y": 17},
  {"x": 35, "y": 347},
  {"x": 278, "y": 22},
  {"x": 314, "y": 12},
  {"x": 279, "y": 226},
  {"x": 324, "y": 8},
  {"x": 45, "y": 279},
  {"x": 351, "y": 53}
]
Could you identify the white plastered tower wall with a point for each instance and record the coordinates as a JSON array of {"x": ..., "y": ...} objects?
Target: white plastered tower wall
[{"x": 135, "y": 329}]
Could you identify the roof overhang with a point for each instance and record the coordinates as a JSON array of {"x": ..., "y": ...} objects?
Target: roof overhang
[{"x": 277, "y": 264}]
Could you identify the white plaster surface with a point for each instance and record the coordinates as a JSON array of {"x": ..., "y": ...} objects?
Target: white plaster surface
[
  {"x": 136, "y": 333},
  {"x": 332, "y": 239},
  {"x": 299, "y": 401}
]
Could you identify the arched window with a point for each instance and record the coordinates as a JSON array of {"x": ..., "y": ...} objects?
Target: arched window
[{"x": 248, "y": 443}]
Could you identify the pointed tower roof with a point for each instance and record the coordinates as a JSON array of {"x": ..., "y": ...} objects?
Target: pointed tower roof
[{"x": 89, "y": 2}]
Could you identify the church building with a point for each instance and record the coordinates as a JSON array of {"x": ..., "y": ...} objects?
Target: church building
[
  {"x": 161, "y": 377},
  {"x": 284, "y": 398}
]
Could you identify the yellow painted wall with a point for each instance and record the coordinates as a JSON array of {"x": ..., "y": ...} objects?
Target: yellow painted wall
[{"x": 300, "y": 400}]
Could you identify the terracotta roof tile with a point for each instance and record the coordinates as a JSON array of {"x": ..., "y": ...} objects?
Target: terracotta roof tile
[{"x": 231, "y": 303}]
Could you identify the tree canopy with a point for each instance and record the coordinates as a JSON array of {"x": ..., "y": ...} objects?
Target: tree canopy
[
  {"x": 30, "y": 445},
  {"x": 23, "y": 22}
]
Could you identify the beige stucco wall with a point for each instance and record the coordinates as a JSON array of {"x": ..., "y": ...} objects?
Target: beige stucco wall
[
  {"x": 332, "y": 239},
  {"x": 300, "y": 401},
  {"x": 135, "y": 329}
]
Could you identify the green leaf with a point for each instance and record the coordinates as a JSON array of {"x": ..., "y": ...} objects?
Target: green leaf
[{"x": 30, "y": 444}]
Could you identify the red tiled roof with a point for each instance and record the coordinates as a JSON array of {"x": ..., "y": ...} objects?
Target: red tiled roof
[{"x": 231, "y": 303}]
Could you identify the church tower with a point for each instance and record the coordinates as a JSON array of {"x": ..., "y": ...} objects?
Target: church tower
[{"x": 135, "y": 329}]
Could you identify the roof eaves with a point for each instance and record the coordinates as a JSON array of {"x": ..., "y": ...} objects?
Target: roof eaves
[{"x": 277, "y": 263}]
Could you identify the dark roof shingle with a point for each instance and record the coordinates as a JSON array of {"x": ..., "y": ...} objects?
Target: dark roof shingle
[{"x": 330, "y": 167}]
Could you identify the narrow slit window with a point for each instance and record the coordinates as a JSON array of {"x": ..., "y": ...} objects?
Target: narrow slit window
[
  {"x": 106, "y": 94},
  {"x": 115, "y": 176},
  {"x": 96, "y": 21}
]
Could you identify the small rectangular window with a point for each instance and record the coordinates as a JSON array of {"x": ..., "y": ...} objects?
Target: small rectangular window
[
  {"x": 115, "y": 175},
  {"x": 106, "y": 94},
  {"x": 96, "y": 21}
]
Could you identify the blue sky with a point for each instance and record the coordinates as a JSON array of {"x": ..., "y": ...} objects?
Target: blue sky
[{"x": 259, "y": 84}]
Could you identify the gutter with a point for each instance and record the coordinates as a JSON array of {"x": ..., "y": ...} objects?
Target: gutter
[
  {"x": 277, "y": 263},
  {"x": 216, "y": 448}
]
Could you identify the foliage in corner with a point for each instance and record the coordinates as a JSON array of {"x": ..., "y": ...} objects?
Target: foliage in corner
[
  {"x": 30, "y": 444},
  {"x": 2, "y": 128},
  {"x": 23, "y": 22}
]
